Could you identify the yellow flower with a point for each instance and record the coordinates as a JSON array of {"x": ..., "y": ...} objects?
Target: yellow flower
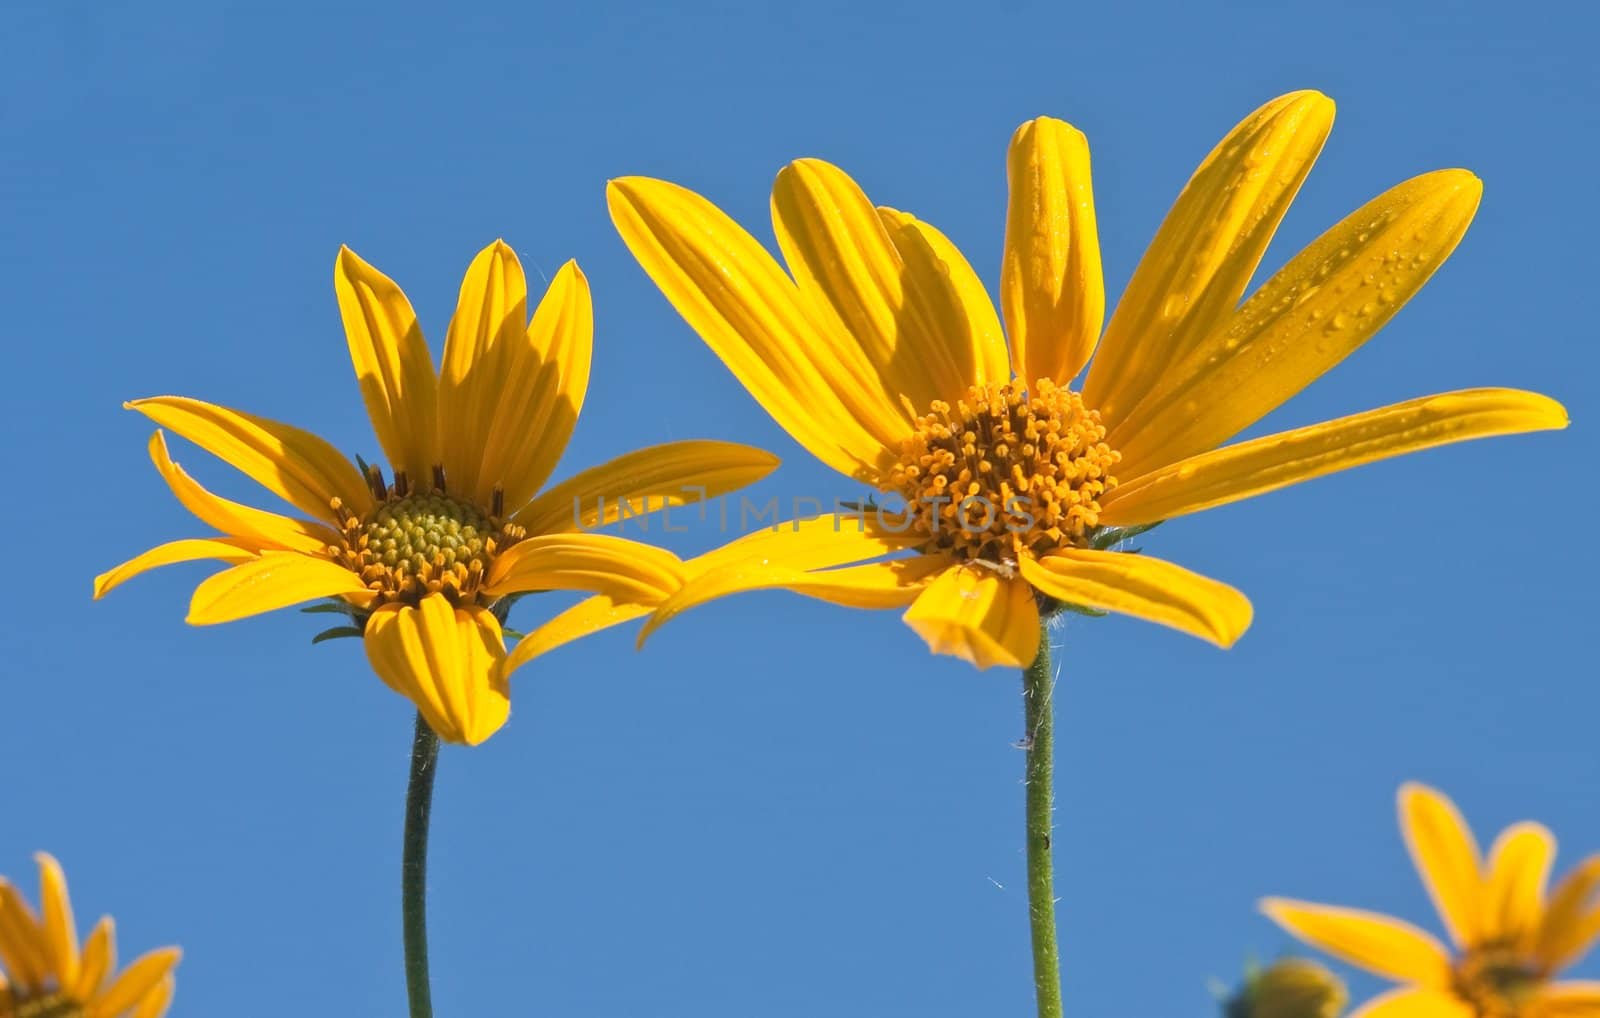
[
  {"x": 422, "y": 560},
  {"x": 884, "y": 357},
  {"x": 1510, "y": 939},
  {"x": 46, "y": 975}
]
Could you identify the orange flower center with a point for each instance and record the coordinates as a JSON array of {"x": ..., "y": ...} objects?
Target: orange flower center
[
  {"x": 49, "y": 1005},
  {"x": 1003, "y": 472},
  {"x": 414, "y": 544},
  {"x": 1496, "y": 980}
]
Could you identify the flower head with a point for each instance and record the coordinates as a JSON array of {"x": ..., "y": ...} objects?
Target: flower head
[
  {"x": 44, "y": 974},
  {"x": 423, "y": 558},
  {"x": 1006, "y": 488},
  {"x": 1288, "y": 988},
  {"x": 1510, "y": 940}
]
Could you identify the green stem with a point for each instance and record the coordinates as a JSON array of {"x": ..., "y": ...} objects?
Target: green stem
[
  {"x": 1037, "y": 692},
  {"x": 414, "y": 868}
]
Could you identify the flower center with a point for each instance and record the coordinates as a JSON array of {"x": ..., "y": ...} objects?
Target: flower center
[
  {"x": 51, "y": 1005},
  {"x": 1005, "y": 471},
  {"x": 414, "y": 544},
  {"x": 1496, "y": 980}
]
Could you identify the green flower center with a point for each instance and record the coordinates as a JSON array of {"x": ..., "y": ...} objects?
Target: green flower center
[
  {"x": 414, "y": 532},
  {"x": 416, "y": 544}
]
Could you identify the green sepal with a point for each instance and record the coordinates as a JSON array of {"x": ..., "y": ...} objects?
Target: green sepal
[
  {"x": 510, "y": 599},
  {"x": 1111, "y": 536},
  {"x": 502, "y": 608},
  {"x": 332, "y": 607},
  {"x": 1078, "y": 609},
  {"x": 1050, "y": 608},
  {"x": 336, "y": 633}
]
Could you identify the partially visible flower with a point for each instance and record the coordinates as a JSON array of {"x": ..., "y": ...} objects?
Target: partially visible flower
[
  {"x": 423, "y": 561},
  {"x": 880, "y": 352},
  {"x": 1288, "y": 988},
  {"x": 43, "y": 974},
  {"x": 1510, "y": 941}
]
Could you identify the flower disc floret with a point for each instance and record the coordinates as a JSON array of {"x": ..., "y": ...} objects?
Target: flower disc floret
[
  {"x": 417, "y": 544},
  {"x": 1005, "y": 471}
]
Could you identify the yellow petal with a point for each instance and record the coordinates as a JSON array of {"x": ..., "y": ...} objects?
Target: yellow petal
[
  {"x": 892, "y": 584},
  {"x": 293, "y": 464},
  {"x": 1051, "y": 289},
  {"x": 598, "y": 563},
  {"x": 257, "y": 526},
  {"x": 840, "y": 254},
  {"x": 1201, "y": 260},
  {"x": 1326, "y": 302},
  {"x": 445, "y": 660},
  {"x": 798, "y": 544},
  {"x": 820, "y": 542},
  {"x": 491, "y": 314},
  {"x": 1513, "y": 901},
  {"x": 819, "y": 387},
  {"x": 675, "y": 473},
  {"x": 22, "y": 944},
  {"x": 976, "y": 615},
  {"x": 1446, "y": 857},
  {"x": 782, "y": 555},
  {"x": 60, "y": 931},
  {"x": 158, "y": 1000},
  {"x": 194, "y": 549},
  {"x": 587, "y": 616},
  {"x": 1583, "y": 934},
  {"x": 877, "y": 585},
  {"x": 272, "y": 580},
  {"x": 99, "y": 959},
  {"x": 137, "y": 982},
  {"x": 1265, "y": 464},
  {"x": 392, "y": 363},
  {"x": 1412, "y": 1002},
  {"x": 1147, "y": 588},
  {"x": 1375, "y": 942},
  {"x": 1572, "y": 918},
  {"x": 956, "y": 295},
  {"x": 541, "y": 392},
  {"x": 1567, "y": 999}
]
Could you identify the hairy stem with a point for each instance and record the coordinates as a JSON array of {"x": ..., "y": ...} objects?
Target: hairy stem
[
  {"x": 1037, "y": 693},
  {"x": 414, "y": 868}
]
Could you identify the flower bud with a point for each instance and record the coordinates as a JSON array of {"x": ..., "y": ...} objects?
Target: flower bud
[{"x": 1289, "y": 988}]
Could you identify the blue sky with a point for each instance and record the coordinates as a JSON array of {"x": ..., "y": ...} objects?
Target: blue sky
[{"x": 779, "y": 808}]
